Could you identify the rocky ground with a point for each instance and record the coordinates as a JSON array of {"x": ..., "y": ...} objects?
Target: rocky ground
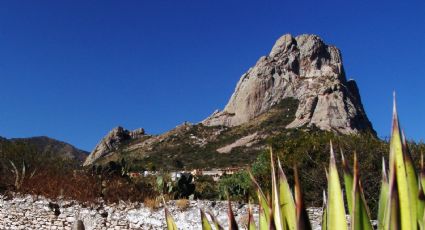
[{"x": 30, "y": 212}]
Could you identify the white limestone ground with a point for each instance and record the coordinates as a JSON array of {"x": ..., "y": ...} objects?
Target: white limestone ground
[{"x": 31, "y": 212}]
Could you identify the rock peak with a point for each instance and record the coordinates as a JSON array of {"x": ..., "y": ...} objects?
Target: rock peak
[
  {"x": 112, "y": 141},
  {"x": 304, "y": 68},
  {"x": 283, "y": 44}
]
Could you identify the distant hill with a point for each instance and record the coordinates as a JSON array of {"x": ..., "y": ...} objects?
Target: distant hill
[{"x": 44, "y": 144}]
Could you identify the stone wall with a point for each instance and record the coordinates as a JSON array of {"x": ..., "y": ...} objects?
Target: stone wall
[{"x": 30, "y": 212}]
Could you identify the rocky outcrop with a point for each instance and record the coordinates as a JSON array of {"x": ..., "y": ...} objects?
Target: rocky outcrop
[
  {"x": 304, "y": 68},
  {"x": 246, "y": 141},
  {"x": 112, "y": 141},
  {"x": 137, "y": 133}
]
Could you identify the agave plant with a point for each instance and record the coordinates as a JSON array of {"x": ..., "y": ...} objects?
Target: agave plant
[
  {"x": 401, "y": 204},
  {"x": 401, "y": 199},
  {"x": 20, "y": 176}
]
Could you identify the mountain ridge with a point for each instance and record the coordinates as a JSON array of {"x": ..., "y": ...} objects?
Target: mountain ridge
[{"x": 44, "y": 144}]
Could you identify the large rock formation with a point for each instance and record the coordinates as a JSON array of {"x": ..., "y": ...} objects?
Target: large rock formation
[
  {"x": 111, "y": 142},
  {"x": 304, "y": 68},
  {"x": 301, "y": 83}
]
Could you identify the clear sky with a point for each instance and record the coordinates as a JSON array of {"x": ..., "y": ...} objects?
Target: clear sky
[{"x": 73, "y": 70}]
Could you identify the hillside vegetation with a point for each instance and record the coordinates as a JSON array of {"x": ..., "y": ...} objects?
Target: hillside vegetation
[
  {"x": 195, "y": 146},
  {"x": 309, "y": 151}
]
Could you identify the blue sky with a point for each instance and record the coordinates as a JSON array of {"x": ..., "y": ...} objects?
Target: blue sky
[{"x": 73, "y": 70}]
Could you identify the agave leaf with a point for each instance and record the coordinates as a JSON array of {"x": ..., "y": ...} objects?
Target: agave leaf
[
  {"x": 324, "y": 212},
  {"x": 421, "y": 206},
  {"x": 422, "y": 173},
  {"x": 251, "y": 222},
  {"x": 395, "y": 221},
  {"x": 397, "y": 161},
  {"x": 412, "y": 179},
  {"x": 216, "y": 223},
  {"x": 423, "y": 222},
  {"x": 277, "y": 214},
  {"x": 383, "y": 197},
  {"x": 171, "y": 225},
  {"x": 16, "y": 172},
  {"x": 263, "y": 201},
  {"x": 336, "y": 212},
  {"x": 303, "y": 223},
  {"x": 232, "y": 221},
  {"x": 348, "y": 183},
  {"x": 33, "y": 173},
  {"x": 264, "y": 224},
  {"x": 23, "y": 173},
  {"x": 421, "y": 198},
  {"x": 204, "y": 220},
  {"x": 287, "y": 204},
  {"x": 327, "y": 174},
  {"x": 365, "y": 209},
  {"x": 272, "y": 223},
  {"x": 360, "y": 217},
  {"x": 392, "y": 216}
]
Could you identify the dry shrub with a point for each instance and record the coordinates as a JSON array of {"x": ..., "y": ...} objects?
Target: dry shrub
[
  {"x": 182, "y": 204},
  {"x": 152, "y": 203},
  {"x": 85, "y": 187},
  {"x": 80, "y": 186},
  {"x": 49, "y": 175},
  {"x": 166, "y": 197},
  {"x": 121, "y": 188}
]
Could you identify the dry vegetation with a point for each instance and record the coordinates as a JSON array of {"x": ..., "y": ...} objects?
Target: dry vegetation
[
  {"x": 153, "y": 203},
  {"x": 23, "y": 170},
  {"x": 182, "y": 204}
]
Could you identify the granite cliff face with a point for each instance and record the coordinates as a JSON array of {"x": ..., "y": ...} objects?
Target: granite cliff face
[
  {"x": 300, "y": 84},
  {"x": 303, "y": 68}
]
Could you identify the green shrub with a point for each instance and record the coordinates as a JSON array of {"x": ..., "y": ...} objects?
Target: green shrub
[
  {"x": 206, "y": 188},
  {"x": 237, "y": 186}
]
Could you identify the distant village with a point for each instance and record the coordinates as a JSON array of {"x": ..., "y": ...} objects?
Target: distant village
[{"x": 214, "y": 173}]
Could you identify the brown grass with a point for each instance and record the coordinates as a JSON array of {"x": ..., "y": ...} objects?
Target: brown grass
[
  {"x": 152, "y": 203},
  {"x": 182, "y": 204}
]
